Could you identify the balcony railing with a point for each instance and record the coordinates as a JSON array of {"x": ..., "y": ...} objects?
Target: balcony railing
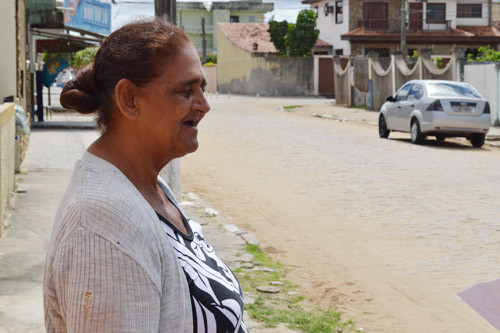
[
  {"x": 394, "y": 26},
  {"x": 197, "y": 28}
]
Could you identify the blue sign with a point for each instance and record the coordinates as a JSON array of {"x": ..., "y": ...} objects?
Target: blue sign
[
  {"x": 88, "y": 15},
  {"x": 51, "y": 69}
]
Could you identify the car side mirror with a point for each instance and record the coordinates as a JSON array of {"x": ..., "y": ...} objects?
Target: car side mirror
[{"x": 391, "y": 99}]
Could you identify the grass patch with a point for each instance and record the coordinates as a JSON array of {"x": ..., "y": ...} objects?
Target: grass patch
[
  {"x": 287, "y": 306},
  {"x": 291, "y": 107}
]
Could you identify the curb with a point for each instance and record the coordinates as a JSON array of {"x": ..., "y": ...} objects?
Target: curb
[
  {"x": 247, "y": 237},
  {"x": 64, "y": 125}
]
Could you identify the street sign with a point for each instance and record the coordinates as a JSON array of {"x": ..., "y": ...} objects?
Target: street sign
[{"x": 88, "y": 15}]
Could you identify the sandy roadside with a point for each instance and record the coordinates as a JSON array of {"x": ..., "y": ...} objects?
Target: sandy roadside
[{"x": 345, "y": 274}]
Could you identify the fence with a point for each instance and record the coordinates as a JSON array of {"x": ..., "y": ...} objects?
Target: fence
[
  {"x": 369, "y": 80},
  {"x": 7, "y": 156},
  {"x": 266, "y": 76},
  {"x": 485, "y": 77}
]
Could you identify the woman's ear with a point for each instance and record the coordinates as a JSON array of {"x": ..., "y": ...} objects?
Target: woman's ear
[{"x": 125, "y": 96}]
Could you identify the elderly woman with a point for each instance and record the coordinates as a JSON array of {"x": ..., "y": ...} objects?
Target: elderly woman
[{"x": 122, "y": 256}]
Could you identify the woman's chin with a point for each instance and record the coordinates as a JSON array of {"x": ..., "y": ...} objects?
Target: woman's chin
[{"x": 189, "y": 148}]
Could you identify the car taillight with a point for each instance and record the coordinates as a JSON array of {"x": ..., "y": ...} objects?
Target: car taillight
[
  {"x": 487, "y": 108},
  {"x": 435, "y": 106}
]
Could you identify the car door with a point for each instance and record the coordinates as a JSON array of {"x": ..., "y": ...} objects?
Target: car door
[
  {"x": 397, "y": 110},
  {"x": 411, "y": 102}
]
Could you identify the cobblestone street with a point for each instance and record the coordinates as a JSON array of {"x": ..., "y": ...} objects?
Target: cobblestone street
[{"x": 387, "y": 231}]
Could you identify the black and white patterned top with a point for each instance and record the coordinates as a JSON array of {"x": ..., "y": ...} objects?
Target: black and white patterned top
[{"x": 216, "y": 295}]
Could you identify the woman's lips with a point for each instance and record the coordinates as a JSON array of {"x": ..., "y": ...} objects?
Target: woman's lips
[{"x": 190, "y": 124}]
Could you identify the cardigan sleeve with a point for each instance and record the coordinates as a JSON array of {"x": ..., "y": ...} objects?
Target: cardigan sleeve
[{"x": 100, "y": 288}]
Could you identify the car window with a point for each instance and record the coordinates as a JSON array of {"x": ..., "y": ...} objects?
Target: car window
[
  {"x": 443, "y": 89},
  {"x": 416, "y": 92},
  {"x": 403, "y": 92}
]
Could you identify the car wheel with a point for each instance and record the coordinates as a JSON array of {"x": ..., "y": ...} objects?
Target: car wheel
[
  {"x": 440, "y": 137},
  {"x": 383, "y": 132},
  {"x": 477, "y": 139},
  {"x": 417, "y": 136}
]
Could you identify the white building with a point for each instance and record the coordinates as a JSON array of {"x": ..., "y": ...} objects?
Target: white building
[{"x": 332, "y": 23}]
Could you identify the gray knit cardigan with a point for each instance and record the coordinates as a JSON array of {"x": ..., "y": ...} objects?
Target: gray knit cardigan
[{"x": 110, "y": 266}]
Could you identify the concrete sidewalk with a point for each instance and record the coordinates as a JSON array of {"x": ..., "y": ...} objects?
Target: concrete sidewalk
[{"x": 46, "y": 171}]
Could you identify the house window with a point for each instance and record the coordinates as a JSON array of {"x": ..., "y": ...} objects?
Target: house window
[
  {"x": 469, "y": 10},
  {"x": 436, "y": 12},
  {"x": 375, "y": 15},
  {"x": 339, "y": 10},
  {"x": 251, "y": 19},
  {"x": 234, "y": 19},
  {"x": 339, "y": 52}
]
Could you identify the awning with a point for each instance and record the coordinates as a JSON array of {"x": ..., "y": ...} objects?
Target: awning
[
  {"x": 59, "y": 42},
  {"x": 59, "y": 46}
]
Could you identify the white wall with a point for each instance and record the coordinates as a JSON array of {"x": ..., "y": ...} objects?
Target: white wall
[
  {"x": 7, "y": 156},
  {"x": 329, "y": 31},
  {"x": 219, "y": 15},
  {"x": 8, "y": 51},
  {"x": 486, "y": 79}
]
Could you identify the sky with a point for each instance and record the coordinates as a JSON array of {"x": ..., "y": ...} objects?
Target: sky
[{"x": 126, "y": 10}]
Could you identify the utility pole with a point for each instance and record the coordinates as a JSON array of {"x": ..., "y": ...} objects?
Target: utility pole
[
  {"x": 490, "y": 14},
  {"x": 166, "y": 10},
  {"x": 204, "y": 42},
  {"x": 404, "y": 11}
]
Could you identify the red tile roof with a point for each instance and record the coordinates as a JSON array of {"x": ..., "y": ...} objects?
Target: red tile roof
[
  {"x": 468, "y": 34},
  {"x": 321, "y": 42},
  {"x": 481, "y": 30},
  {"x": 251, "y": 37},
  {"x": 496, "y": 24}
]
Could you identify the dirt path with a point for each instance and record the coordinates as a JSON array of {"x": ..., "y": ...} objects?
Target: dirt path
[{"x": 383, "y": 230}]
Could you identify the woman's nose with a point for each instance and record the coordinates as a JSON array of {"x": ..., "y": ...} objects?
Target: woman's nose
[{"x": 202, "y": 104}]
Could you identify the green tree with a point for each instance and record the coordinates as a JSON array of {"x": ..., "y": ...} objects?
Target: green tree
[
  {"x": 212, "y": 58},
  {"x": 301, "y": 39},
  {"x": 484, "y": 54},
  {"x": 83, "y": 57},
  {"x": 48, "y": 56},
  {"x": 278, "y": 32}
]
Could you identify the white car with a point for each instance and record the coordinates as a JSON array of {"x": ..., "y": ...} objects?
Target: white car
[{"x": 436, "y": 108}]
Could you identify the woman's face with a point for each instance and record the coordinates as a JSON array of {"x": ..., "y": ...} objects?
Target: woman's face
[{"x": 172, "y": 105}]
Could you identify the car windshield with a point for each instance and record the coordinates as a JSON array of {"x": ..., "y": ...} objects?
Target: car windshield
[{"x": 442, "y": 89}]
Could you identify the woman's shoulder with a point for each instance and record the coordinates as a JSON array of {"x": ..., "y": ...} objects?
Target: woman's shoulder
[
  {"x": 97, "y": 187},
  {"x": 106, "y": 205},
  {"x": 100, "y": 198}
]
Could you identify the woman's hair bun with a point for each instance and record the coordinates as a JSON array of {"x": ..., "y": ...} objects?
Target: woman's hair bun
[{"x": 79, "y": 93}]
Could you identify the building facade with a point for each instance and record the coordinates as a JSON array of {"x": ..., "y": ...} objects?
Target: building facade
[
  {"x": 332, "y": 23},
  {"x": 375, "y": 26},
  {"x": 190, "y": 14}
]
